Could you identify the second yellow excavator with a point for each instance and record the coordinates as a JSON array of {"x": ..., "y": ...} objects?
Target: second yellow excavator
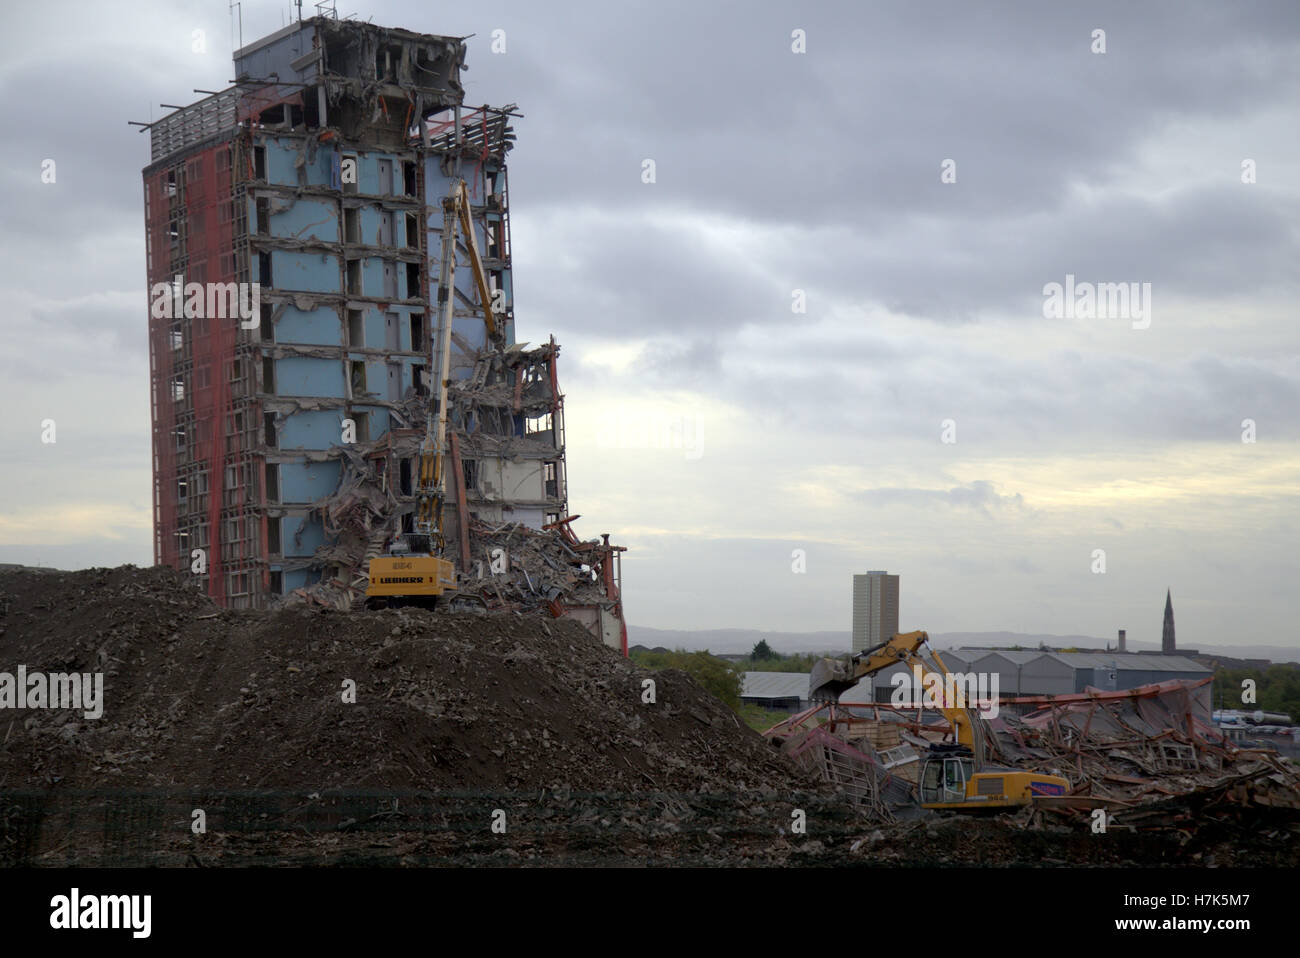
[{"x": 954, "y": 776}]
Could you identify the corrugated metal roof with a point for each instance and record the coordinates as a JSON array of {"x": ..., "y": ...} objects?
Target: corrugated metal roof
[
  {"x": 1015, "y": 658},
  {"x": 775, "y": 685},
  {"x": 1051, "y": 663},
  {"x": 1162, "y": 663},
  {"x": 1082, "y": 660},
  {"x": 956, "y": 657},
  {"x": 1128, "y": 662},
  {"x": 1124, "y": 661}
]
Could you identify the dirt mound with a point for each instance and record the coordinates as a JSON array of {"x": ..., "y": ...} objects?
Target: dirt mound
[
  {"x": 198, "y": 697},
  {"x": 947, "y": 841}
]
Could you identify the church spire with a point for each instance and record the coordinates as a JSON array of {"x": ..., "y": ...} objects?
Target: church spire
[{"x": 1167, "y": 637}]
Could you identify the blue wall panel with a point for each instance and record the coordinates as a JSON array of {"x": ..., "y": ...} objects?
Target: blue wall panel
[
  {"x": 374, "y": 321},
  {"x": 304, "y": 376},
  {"x": 303, "y": 535},
  {"x": 304, "y": 271},
  {"x": 312, "y": 429},
  {"x": 320, "y": 171},
  {"x": 298, "y": 579},
  {"x": 305, "y": 482},
  {"x": 377, "y": 379},
  {"x": 372, "y": 276},
  {"x": 281, "y": 157},
  {"x": 403, "y": 238},
  {"x": 318, "y": 327},
  {"x": 308, "y": 218}
]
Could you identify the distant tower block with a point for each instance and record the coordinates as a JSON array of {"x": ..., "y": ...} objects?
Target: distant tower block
[
  {"x": 1167, "y": 637},
  {"x": 1123, "y": 640},
  {"x": 875, "y": 609}
]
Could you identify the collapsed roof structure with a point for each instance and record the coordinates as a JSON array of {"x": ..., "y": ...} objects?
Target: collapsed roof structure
[{"x": 1149, "y": 756}]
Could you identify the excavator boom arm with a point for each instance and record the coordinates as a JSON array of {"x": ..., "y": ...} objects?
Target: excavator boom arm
[
  {"x": 476, "y": 261},
  {"x": 973, "y": 786},
  {"x": 432, "y": 451},
  {"x": 430, "y": 576},
  {"x": 830, "y": 677}
]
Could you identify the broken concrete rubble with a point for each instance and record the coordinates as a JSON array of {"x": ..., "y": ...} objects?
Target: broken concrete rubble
[
  {"x": 1147, "y": 756},
  {"x": 505, "y": 435},
  {"x": 239, "y": 713}
]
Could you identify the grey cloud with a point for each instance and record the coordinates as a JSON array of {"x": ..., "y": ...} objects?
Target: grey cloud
[
  {"x": 980, "y": 496},
  {"x": 687, "y": 364},
  {"x": 908, "y": 387}
]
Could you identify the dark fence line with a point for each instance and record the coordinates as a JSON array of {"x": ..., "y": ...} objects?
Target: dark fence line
[{"x": 136, "y": 827}]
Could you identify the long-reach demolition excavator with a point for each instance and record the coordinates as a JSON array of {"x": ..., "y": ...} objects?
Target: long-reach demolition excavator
[
  {"x": 954, "y": 776},
  {"x": 413, "y": 571}
]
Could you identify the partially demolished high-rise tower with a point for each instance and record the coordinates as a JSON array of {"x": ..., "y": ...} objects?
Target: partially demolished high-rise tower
[{"x": 294, "y": 225}]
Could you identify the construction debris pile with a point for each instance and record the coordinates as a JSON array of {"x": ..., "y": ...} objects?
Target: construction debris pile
[
  {"x": 505, "y": 424},
  {"x": 1147, "y": 755},
  {"x": 869, "y": 754},
  {"x": 503, "y": 384},
  {"x": 231, "y": 699},
  {"x": 197, "y": 699},
  {"x": 523, "y": 569}
]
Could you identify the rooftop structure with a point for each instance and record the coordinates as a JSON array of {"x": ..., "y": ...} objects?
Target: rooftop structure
[
  {"x": 775, "y": 690},
  {"x": 1046, "y": 673}
]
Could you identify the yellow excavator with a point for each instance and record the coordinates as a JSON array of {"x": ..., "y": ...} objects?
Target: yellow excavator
[
  {"x": 954, "y": 776},
  {"x": 413, "y": 571}
]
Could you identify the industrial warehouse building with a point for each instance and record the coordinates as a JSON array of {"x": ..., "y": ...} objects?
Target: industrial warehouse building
[
  {"x": 1024, "y": 672},
  {"x": 778, "y": 691},
  {"x": 1057, "y": 673}
]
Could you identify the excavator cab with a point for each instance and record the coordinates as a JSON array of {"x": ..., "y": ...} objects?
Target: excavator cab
[
  {"x": 945, "y": 775},
  {"x": 412, "y": 542},
  {"x": 956, "y": 773}
]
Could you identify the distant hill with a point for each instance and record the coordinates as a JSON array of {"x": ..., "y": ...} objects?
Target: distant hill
[{"x": 734, "y": 641}]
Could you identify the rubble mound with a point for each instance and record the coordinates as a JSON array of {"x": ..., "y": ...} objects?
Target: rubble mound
[
  {"x": 199, "y": 697},
  {"x": 949, "y": 841}
]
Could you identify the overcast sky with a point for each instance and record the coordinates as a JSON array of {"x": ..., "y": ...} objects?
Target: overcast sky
[{"x": 724, "y": 437}]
